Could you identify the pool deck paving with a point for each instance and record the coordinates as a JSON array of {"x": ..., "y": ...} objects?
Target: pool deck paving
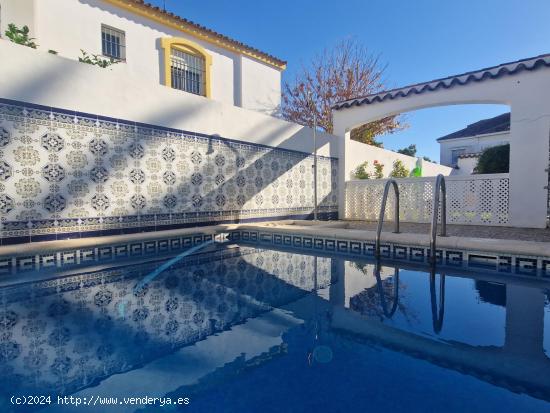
[
  {"x": 471, "y": 231},
  {"x": 523, "y": 242},
  {"x": 519, "y": 241}
]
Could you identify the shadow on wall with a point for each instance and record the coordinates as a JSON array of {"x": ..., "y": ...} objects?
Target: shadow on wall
[{"x": 151, "y": 174}]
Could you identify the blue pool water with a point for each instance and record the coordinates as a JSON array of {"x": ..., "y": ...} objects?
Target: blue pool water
[{"x": 236, "y": 328}]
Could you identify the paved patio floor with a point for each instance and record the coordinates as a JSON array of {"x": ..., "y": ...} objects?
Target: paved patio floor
[{"x": 474, "y": 231}]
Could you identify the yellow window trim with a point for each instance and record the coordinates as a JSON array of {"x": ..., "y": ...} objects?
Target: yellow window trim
[
  {"x": 187, "y": 46},
  {"x": 177, "y": 23}
]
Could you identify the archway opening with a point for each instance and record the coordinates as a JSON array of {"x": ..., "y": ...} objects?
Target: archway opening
[{"x": 452, "y": 135}]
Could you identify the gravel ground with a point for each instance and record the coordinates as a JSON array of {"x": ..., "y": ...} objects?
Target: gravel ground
[{"x": 474, "y": 231}]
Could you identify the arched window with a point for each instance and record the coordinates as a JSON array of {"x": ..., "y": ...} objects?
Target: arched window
[{"x": 186, "y": 66}]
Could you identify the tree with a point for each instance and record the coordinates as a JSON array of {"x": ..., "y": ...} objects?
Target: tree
[
  {"x": 348, "y": 71},
  {"x": 494, "y": 160},
  {"x": 427, "y": 159},
  {"x": 409, "y": 150},
  {"x": 366, "y": 134}
]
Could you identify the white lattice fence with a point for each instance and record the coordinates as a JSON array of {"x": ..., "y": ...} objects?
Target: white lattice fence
[{"x": 476, "y": 199}]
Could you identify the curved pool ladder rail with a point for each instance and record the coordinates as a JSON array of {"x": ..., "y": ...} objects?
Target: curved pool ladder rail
[
  {"x": 379, "y": 286},
  {"x": 390, "y": 182},
  {"x": 438, "y": 309},
  {"x": 439, "y": 188},
  {"x": 144, "y": 282}
]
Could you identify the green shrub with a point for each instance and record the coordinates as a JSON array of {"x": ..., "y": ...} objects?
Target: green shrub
[
  {"x": 20, "y": 36},
  {"x": 399, "y": 170},
  {"x": 494, "y": 160},
  {"x": 361, "y": 171},
  {"x": 93, "y": 59},
  {"x": 378, "y": 170}
]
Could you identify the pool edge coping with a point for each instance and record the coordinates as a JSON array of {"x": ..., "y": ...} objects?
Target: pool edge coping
[{"x": 327, "y": 229}]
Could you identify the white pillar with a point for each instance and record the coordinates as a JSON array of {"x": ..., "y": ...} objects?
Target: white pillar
[
  {"x": 343, "y": 172},
  {"x": 529, "y": 151}
]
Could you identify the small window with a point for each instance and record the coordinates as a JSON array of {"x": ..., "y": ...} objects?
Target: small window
[
  {"x": 113, "y": 42},
  {"x": 455, "y": 153},
  {"x": 188, "y": 72}
]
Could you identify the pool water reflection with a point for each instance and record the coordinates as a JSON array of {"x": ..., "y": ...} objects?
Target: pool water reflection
[{"x": 247, "y": 329}]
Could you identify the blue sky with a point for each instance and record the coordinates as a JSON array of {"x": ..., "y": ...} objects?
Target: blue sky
[{"x": 419, "y": 40}]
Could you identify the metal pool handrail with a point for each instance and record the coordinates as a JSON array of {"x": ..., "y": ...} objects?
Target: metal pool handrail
[
  {"x": 383, "y": 211},
  {"x": 438, "y": 310},
  {"x": 439, "y": 187},
  {"x": 380, "y": 288}
]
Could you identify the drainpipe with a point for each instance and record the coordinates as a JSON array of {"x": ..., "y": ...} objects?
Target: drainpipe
[
  {"x": 315, "y": 165},
  {"x": 313, "y": 109}
]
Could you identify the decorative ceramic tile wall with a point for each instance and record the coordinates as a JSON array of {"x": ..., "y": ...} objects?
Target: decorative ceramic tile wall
[
  {"x": 67, "y": 333},
  {"x": 67, "y": 172}
]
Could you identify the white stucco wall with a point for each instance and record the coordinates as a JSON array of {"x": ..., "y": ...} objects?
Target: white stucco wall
[
  {"x": 261, "y": 86},
  {"x": 36, "y": 76},
  {"x": 526, "y": 94},
  {"x": 18, "y": 12},
  {"x": 465, "y": 166},
  {"x": 68, "y": 26},
  {"x": 472, "y": 144},
  {"x": 357, "y": 153}
]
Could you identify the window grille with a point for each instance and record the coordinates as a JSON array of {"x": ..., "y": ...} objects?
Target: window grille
[
  {"x": 188, "y": 72},
  {"x": 113, "y": 42}
]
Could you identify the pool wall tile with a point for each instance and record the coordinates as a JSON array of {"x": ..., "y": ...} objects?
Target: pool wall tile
[
  {"x": 504, "y": 264},
  {"x": 518, "y": 265}
]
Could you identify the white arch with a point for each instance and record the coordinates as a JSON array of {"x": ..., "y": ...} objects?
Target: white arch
[{"x": 525, "y": 91}]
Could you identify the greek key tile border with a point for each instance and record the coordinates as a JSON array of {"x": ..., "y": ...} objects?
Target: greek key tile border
[
  {"x": 529, "y": 266},
  {"x": 80, "y": 257}
]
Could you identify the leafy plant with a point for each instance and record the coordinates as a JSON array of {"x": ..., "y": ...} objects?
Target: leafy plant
[
  {"x": 20, "y": 35},
  {"x": 361, "y": 171},
  {"x": 378, "y": 170},
  {"x": 494, "y": 160},
  {"x": 52, "y": 51},
  {"x": 399, "y": 170},
  {"x": 93, "y": 59}
]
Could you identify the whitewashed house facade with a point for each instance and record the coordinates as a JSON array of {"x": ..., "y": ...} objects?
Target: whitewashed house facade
[
  {"x": 155, "y": 45},
  {"x": 461, "y": 149}
]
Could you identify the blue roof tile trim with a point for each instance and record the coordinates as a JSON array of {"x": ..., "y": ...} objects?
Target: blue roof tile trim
[{"x": 494, "y": 72}]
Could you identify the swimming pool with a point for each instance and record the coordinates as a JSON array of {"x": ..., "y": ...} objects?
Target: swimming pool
[{"x": 240, "y": 328}]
